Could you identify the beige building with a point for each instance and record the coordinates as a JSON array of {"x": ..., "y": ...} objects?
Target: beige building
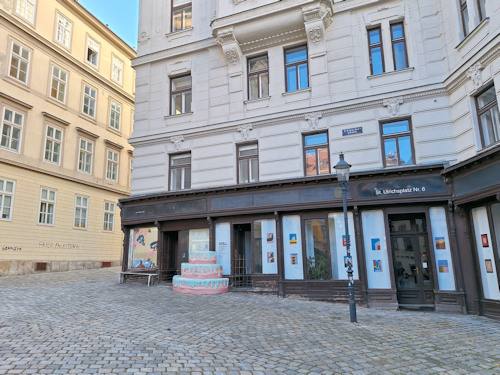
[{"x": 66, "y": 105}]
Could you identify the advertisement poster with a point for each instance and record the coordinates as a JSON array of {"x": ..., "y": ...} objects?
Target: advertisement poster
[
  {"x": 293, "y": 239},
  {"x": 484, "y": 240},
  {"x": 443, "y": 266},
  {"x": 142, "y": 247},
  {"x": 377, "y": 265},
  {"x": 270, "y": 257},
  {"x": 489, "y": 265},
  {"x": 375, "y": 243},
  {"x": 270, "y": 237},
  {"x": 440, "y": 243},
  {"x": 293, "y": 258}
]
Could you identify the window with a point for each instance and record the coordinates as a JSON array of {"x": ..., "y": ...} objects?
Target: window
[
  {"x": 63, "y": 30},
  {"x": 89, "y": 100},
  {"x": 47, "y": 206},
  {"x": 248, "y": 163},
  {"x": 85, "y": 156},
  {"x": 109, "y": 217},
  {"x": 19, "y": 62},
  {"x": 375, "y": 50},
  {"x": 92, "y": 54},
  {"x": 489, "y": 116},
  {"x": 465, "y": 16},
  {"x": 258, "y": 77},
  {"x": 59, "y": 83},
  {"x": 316, "y": 154},
  {"x": 397, "y": 143},
  {"x": 180, "y": 93},
  {"x": 481, "y": 5},
  {"x": 6, "y": 198},
  {"x": 317, "y": 249},
  {"x": 53, "y": 141},
  {"x": 117, "y": 70},
  {"x": 112, "y": 165},
  {"x": 12, "y": 126},
  {"x": 115, "y": 110},
  {"x": 399, "y": 46},
  {"x": 181, "y": 15},
  {"x": 81, "y": 208},
  {"x": 26, "y": 9},
  {"x": 297, "y": 76},
  {"x": 180, "y": 172}
]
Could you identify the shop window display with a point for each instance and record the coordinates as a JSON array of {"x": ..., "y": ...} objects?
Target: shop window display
[{"x": 143, "y": 245}]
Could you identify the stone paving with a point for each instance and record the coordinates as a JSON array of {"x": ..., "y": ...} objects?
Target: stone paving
[{"x": 85, "y": 322}]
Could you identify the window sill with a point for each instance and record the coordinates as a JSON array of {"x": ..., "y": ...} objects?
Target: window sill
[
  {"x": 394, "y": 76},
  {"x": 179, "y": 34},
  {"x": 57, "y": 102},
  {"x": 471, "y": 35},
  {"x": 18, "y": 83},
  {"x": 180, "y": 115},
  {"x": 297, "y": 95},
  {"x": 88, "y": 118},
  {"x": 257, "y": 103}
]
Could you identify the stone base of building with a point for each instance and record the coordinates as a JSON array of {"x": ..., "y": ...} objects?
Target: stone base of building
[{"x": 21, "y": 267}]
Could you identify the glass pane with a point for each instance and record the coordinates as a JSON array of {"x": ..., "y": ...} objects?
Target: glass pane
[
  {"x": 400, "y": 56},
  {"x": 257, "y": 63},
  {"x": 465, "y": 16},
  {"x": 296, "y": 54},
  {"x": 175, "y": 179},
  {"x": 253, "y": 87},
  {"x": 405, "y": 152},
  {"x": 405, "y": 269},
  {"x": 176, "y": 104},
  {"x": 264, "y": 85},
  {"x": 187, "y": 178},
  {"x": 490, "y": 123},
  {"x": 243, "y": 171},
  {"x": 324, "y": 162},
  {"x": 180, "y": 159},
  {"x": 187, "y": 17},
  {"x": 316, "y": 250},
  {"x": 303, "y": 77},
  {"x": 177, "y": 20},
  {"x": 254, "y": 170},
  {"x": 397, "y": 31},
  {"x": 291, "y": 78},
  {"x": 315, "y": 139},
  {"x": 257, "y": 240},
  {"x": 391, "y": 152},
  {"x": 425, "y": 260},
  {"x": 247, "y": 150},
  {"x": 395, "y": 127},
  {"x": 402, "y": 225},
  {"x": 9, "y": 186},
  {"x": 181, "y": 83},
  {"x": 311, "y": 163},
  {"x": 374, "y": 36},
  {"x": 177, "y": 3},
  {"x": 486, "y": 97},
  {"x": 187, "y": 102},
  {"x": 376, "y": 59}
]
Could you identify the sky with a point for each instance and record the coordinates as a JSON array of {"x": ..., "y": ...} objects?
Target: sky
[{"x": 121, "y": 16}]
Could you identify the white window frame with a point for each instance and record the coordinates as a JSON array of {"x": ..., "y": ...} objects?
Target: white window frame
[
  {"x": 80, "y": 218},
  {"x": 89, "y": 101},
  {"x": 4, "y": 193},
  {"x": 43, "y": 208},
  {"x": 87, "y": 154},
  {"x": 112, "y": 163},
  {"x": 49, "y": 145},
  {"x": 63, "y": 30},
  {"x": 11, "y": 126},
  {"x": 184, "y": 170},
  {"x": 94, "y": 46},
  {"x": 108, "y": 221},
  {"x": 115, "y": 114},
  {"x": 117, "y": 69},
  {"x": 59, "y": 83},
  {"x": 20, "y": 61},
  {"x": 26, "y": 9}
]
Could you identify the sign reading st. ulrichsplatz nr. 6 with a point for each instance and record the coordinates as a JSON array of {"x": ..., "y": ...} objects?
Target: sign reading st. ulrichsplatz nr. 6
[{"x": 414, "y": 186}]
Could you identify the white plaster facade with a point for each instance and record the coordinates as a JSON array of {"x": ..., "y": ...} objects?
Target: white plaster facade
[{"x": 446, "y": 70}]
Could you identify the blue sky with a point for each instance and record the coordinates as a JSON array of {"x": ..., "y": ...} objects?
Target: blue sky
[{"x": 121, "y": 16}]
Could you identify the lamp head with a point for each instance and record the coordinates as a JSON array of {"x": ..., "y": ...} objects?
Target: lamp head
[{"x": 342, "y": 169}]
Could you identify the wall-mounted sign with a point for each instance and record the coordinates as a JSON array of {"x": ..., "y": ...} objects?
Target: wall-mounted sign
[
  {"x": 352, "y": 131},
  {"x": 414, "y": 186}
]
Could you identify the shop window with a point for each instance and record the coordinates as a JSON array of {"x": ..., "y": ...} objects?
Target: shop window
[
  {"x": 109, "y": 217},
  {"x": 265, "y": 257},
  {"x": 47, "y": 207},
  {"x": 296, "y": 68},
  {"x": 442, "y": 249},
  {"x": 26, "y": 9},
  {"x": 143, "y": 243},
  {"x": 248, "y": 163},
  {"x": 6, "y": 198},
  {"x": 63, "y": 30},
  {"x": 489, "y": 116},
  {"x": 85, "y": 155},
  {"x": 338, "y": 246},
  {"x": 399, "y": 46},
  {"x": 180, "y": 171},
  {"x": 19, "y": 62},
  {"x": 181, "y": 15},
  {"x": 89, "y": 101},
  {"x": 93, "y": 49},
  {"x": 115, "y": 110},
  {"x": 180, "y": 95},
  {"x": 12, "y": 126},
  {"x": 112, "y": 159},
  {"x": 316, "y": 154},
  {"x": 397, "y": 143},
  {"x": 258, "y": 77},
  {"x": 375, "y": 51},
  {"x": 376, "y": 257},
  {"x": 58, "y": 84},
  {"x": 117, "y": 70},
  {"x": 53, "y": 142},
  {"x": 316, "y": 241},
  {"x": 81, "y": 211},
  {"x": 292, "y": 248}
]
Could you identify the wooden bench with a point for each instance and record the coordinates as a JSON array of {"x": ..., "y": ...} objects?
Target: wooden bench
[{"x": 151, "y": 274}]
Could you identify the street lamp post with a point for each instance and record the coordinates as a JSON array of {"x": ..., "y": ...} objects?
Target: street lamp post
[{"x": 342, "y": 169}]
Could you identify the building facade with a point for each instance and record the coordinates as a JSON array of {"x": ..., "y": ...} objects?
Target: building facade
[
  {"x": 243, "y": 108},
  {"x": 67, "y": 102}
]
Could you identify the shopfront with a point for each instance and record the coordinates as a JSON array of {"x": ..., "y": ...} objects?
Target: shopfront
[{"x": 288, "y": 238}]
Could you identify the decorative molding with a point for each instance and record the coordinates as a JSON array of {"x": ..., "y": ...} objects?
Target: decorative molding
[
  {"x": 86, "y": 132},
  {"x": 315, "y": 34},
  {"x": 474, "y": 73},
  {"x": 313, "y": 119},
  {"x": 143, "y": 38},
  {"x": 245, "y": 131},
  {"x": 393, "y": 104},
  {"x": 54, "y": 118},
  {"x": 232, "y": 56},
  {"x": 230, "y": 46},
  {"x": 113, "y": 144},
  {"x": 177, "y": 140}
]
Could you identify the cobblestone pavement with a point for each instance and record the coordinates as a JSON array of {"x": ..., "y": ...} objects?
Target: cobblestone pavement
[{"x": 85, "y": 322}]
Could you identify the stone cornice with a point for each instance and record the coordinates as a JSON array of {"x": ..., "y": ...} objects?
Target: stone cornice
[
  {"x": 56, "y": 119},
  {"x": 14, "y": 100}
]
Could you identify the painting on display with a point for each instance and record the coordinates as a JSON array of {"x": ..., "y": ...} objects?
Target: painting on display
[
  {"x": 484, "y": 240},
  {"x": 270, "y": 237},
  {"x": 440, "y": 243},
  {"x": 293, "y": 258},
  {"x": 270, "y": 257},
  {"x": 375, "y": 243},
  {"x": 377, "y": 265},
  {"x": 293, "y": 239},
  {"x": 489, "y": 265},
  {"x": 443, "y": 266}
]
